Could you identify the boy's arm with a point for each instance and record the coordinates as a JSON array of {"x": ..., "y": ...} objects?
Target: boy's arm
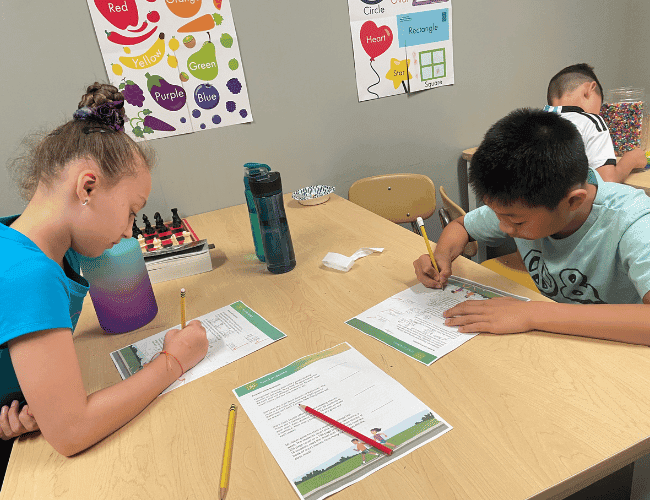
[
  {"x": 620, "y": 322},
  {"x": 450, "y": 245},
  {"x": 628, "y": 162}
]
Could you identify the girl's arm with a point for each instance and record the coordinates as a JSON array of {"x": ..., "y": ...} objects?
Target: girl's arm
[{"x": 48, "y": 371}]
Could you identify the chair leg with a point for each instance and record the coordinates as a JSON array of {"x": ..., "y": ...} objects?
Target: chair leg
[{"x": 416, "y": 228}]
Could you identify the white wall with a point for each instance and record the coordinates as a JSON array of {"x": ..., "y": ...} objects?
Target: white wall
[{"x": 299, "y": 69}]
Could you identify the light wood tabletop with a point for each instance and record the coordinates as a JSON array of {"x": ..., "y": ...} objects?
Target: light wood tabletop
[{"x": 535, "y": 415}]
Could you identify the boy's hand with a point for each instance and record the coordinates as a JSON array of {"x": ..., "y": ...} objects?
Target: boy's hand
[
  {"x": 427, "y": 274},
  {"x": 498, "y": 315},
  {"x": 14, "y": 423},
  {"x": 636, "y": 158}
]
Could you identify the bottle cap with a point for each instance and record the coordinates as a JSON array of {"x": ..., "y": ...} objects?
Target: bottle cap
[{"x": 267, "y": 185}]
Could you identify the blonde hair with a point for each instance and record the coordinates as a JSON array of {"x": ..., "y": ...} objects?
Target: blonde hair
[{"x": 116, "y": 154}]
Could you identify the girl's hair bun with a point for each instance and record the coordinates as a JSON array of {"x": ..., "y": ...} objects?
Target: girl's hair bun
[{"x": 102, "y": 104}]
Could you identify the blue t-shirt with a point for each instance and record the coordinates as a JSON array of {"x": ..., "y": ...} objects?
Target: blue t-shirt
[
  {"x": 36, "y": 294},
  {"x": 607, "y": 260}
]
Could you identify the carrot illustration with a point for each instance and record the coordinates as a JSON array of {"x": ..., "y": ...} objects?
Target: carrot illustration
[
  {"x": 149, "y": 124},
  {"x": 203, "y": 23},
  {"x": 120, "y": 39}
]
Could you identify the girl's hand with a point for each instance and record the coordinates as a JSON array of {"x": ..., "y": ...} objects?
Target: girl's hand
[
  {"x": 14, "y": 423},
  {"x": 189, "y": 345}
]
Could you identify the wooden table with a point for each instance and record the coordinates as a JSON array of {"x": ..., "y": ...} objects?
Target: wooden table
[{"x": 535, "y": 415}]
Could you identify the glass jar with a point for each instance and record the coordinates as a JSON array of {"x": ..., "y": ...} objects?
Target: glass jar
[{"x": 626, "y": 115}]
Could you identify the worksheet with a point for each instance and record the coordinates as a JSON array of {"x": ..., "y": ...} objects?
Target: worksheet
[
  {"x": 233, "y": 331},
  {"x": 316, "y": 457},
  {"x": 411, "y": 321}
]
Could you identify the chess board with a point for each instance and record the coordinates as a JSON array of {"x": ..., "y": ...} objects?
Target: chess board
[{"x": 184, "y": 238}]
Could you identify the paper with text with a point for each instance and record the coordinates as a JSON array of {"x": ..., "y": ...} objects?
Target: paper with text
[
  {"x": 317, "y": 458},
  {"x": 411, "y": 321},
  {"x": 233, "y": 331}
]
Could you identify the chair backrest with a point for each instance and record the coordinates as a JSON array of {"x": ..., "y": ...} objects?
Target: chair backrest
[
  {"x": 454, "y": 211},
  {"x": 399, "y": 198}
]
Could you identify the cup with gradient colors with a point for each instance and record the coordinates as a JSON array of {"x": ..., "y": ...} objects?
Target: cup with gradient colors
[{"x": 120, "y": 288}]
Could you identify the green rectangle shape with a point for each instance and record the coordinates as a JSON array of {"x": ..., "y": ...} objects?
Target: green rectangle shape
[
  {"x": 257, "y": 321},
  {"x": 400, "y": 345}
]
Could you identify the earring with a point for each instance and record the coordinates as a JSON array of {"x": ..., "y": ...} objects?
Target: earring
[{"x": 85, "y": 202}]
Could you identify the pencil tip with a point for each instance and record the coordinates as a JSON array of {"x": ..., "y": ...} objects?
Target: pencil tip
[{"x": 303, "y": 406}]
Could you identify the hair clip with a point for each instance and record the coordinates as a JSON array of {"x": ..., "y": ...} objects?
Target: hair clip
[{"x": 90, "y": 130}]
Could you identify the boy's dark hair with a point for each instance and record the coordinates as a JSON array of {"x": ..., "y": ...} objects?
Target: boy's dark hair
[
  {"x": 531, "y": 156},
  {"x": 376, "y": 429},
  {"x": 569, "y": 79}
]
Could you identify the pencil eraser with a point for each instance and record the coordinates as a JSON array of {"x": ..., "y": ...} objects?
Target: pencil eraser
[{"x": 420, "y": 221}]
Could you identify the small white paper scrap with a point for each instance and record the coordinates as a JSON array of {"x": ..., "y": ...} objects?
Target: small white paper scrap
[{"x": 343, "y": 263}]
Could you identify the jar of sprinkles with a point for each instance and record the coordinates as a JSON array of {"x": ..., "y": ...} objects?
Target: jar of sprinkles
[{"x": 625, "y": 112}]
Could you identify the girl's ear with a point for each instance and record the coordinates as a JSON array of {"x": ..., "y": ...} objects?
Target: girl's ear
[{"x": 86, "y": 185}]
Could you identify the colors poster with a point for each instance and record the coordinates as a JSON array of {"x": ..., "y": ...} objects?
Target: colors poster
[
  {"x": 177, "y": 62},
  {"x": 401, "y": 46}
]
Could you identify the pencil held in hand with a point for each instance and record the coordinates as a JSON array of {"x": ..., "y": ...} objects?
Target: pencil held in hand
[
  {"x": 426, "y": 240},
  {"x": 348, "y": 430},
  {"x": 183, "y": 308}
]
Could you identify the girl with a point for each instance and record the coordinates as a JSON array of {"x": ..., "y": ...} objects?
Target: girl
[{"x": 85, "y": 182}]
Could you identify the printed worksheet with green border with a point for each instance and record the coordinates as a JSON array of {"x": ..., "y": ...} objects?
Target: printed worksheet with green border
[
  {"x": 411, "y": 321},
  {"x": 233, "y": 332},
  {"x": 317, "y": 458}
]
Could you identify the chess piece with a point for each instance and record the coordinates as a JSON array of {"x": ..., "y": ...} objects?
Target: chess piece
[
  {"x": 148, "y": 228},
  {"x": 136, "y": 230},
  {"x": 187, "y": 235},
  {"x": 176, "y": 220},
  {"x": 157, "y": 244},
  {"x": 143, "y": 244},
  {"x": 160, "y": 223},
  {"x": 174, "y": 240}
]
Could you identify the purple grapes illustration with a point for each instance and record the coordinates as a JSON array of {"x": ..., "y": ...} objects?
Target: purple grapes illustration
[{"x": 132, "y": 93}]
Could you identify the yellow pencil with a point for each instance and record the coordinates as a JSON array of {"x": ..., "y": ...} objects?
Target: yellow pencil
[
  {"x": 227, "y": 453},
  {"x": 182, "y": 307},
  {"x": 426, "y": 240}
]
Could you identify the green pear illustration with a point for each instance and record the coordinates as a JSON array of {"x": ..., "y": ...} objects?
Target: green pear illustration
[{"x": 203, "y": 63}]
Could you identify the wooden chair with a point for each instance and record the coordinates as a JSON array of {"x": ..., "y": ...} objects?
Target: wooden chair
[
  {"x": 399, "y": 198},
  {"x": 511, "y": 266},
  {"x": 451, "y": 211}
]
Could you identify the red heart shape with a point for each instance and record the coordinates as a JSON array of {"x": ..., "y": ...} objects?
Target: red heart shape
[{"x": 375, "y": 40}]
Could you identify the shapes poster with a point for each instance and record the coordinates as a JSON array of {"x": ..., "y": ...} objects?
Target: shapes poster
[
  {"x": 401, "y": 46},
  {"x": 177, "y": 63}
]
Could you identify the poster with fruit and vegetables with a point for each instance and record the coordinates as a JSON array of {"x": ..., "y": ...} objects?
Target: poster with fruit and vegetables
[
  {"x": 401, "y": 46},
  {"x": 177, "y": 63}
]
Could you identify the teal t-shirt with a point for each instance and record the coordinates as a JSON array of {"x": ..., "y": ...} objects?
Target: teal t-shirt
[
  {"x": 607, "y": 260},
  {"x": 36, "y": 294}
]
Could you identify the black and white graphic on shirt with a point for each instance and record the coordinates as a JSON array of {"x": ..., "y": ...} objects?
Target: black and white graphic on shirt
[
  {"x": 538, "y": 271},
  {"x": 577, "y": 289}
]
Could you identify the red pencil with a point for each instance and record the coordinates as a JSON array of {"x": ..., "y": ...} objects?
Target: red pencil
[{"x": 345, "y": 428}]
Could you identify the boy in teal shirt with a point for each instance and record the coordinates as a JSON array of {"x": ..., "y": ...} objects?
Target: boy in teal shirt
[{"x": 583, "y": 241}]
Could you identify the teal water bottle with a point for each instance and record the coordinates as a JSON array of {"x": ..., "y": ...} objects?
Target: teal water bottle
[
  {"x": 278, "y": 247},
  {"x": 254, "y": 170}
]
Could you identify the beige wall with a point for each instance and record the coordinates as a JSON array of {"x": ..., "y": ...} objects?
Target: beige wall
[{"x": 300, "y": 74}]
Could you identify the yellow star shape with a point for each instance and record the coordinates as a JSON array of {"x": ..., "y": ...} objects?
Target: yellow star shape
[{"x": 398, "y": 71}]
